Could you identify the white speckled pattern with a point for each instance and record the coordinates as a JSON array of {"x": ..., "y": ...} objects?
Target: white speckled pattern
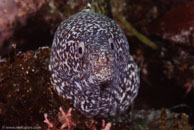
[{"x": 103, "y": 81}]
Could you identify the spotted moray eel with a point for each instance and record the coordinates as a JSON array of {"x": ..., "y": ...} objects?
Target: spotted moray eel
[{"x": 91, "y": 65}]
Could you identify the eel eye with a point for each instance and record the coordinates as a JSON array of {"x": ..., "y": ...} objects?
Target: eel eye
[
  {"x": 112, "y": 46},
  {"x": 81, "y": 49},
  {"x": 111, "y": 43}
]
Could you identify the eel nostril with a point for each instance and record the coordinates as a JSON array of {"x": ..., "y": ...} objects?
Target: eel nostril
[{"x": 103, "y": 86}]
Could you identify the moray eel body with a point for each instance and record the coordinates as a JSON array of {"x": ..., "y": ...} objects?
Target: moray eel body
[{"x": 91, "y": 65}]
